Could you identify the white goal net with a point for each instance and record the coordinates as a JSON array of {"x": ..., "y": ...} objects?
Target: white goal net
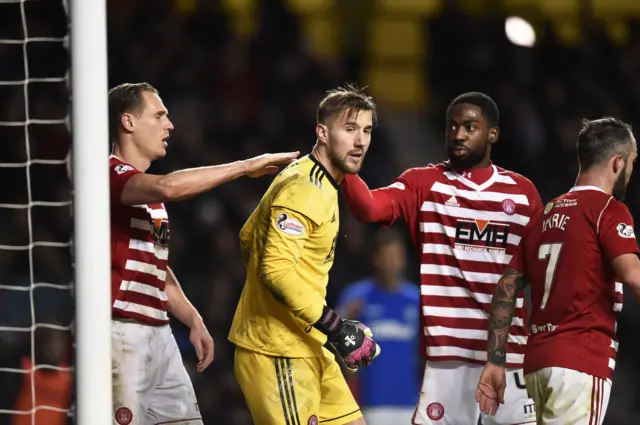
[{"x": 36, "y": 272}]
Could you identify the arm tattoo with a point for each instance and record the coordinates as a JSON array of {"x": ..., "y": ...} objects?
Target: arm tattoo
[{"x": 503, "y": 305}]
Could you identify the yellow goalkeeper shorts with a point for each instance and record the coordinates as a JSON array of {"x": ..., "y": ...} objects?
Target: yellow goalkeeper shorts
[{"x": 294, "y": 391}]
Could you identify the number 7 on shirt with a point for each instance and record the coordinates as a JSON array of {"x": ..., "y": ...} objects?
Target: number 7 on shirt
[{"x": 550, "y": 252}]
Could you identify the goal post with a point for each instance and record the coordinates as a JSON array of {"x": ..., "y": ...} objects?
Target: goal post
[{"x": 89, "y": 85}]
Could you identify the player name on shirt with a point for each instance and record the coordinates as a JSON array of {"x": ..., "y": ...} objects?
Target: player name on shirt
[
  {"x": 468, "y": 234},
  {"x": 140, "y": 237},
  {"x": 556, "y": 221}
]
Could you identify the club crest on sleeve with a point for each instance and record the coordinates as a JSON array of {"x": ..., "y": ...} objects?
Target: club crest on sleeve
[
  {"x": 123, "y": 168},
  {"x": 625, "y": 231},
  {"x": 289, "y": 225},
  {"x": 548, "y": 208},
  {"x": 508, "y": 206}
]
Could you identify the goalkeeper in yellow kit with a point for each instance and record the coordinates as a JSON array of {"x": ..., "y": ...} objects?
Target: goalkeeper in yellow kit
[{"x": 282, "y": 322}]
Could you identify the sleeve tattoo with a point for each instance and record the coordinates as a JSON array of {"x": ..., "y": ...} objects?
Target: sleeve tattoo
[{"x": 503, "y": 305}]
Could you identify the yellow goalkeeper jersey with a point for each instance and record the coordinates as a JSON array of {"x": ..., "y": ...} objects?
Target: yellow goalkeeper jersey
[{"x": 288, "y": 246}]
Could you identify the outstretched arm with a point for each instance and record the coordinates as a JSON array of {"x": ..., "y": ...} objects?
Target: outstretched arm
[
  {"x": 503, "y": 306},
  {"x": 368, "y": 205},
  {"x": 142, "y": 188},
  {"x": 383, "y": 205}
]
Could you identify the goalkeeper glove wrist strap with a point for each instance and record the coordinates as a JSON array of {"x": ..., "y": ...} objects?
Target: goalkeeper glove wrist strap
[{"x": 329, "y": 322}]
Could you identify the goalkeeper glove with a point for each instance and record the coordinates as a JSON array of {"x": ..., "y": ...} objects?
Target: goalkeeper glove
[{"x": 351, "y": 339}]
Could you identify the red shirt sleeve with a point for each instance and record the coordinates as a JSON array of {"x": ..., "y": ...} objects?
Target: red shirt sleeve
[
  {"x": 615, "y": 231},
  {"x": 535, "y": 204},
  {"x": 384, "y": 205},
  {"x": 517, "y": 262},
  {"x": 403, "y": 193},
  {"x": 119, "y": 173}
]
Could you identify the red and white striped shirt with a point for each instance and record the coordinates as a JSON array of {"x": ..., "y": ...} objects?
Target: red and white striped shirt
[
  {"x": 567, "y": 258},
  {"x": 139, "y": 253},
  {"x": 467, "y": 226}
]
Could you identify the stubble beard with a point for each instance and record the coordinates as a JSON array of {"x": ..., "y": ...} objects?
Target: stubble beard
[
  {"x": 620, "y": 187},
  {"x": 472, "y": 159}
]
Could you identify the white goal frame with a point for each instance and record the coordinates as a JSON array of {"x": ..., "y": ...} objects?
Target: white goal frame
[{"x": 92, "y": 252}]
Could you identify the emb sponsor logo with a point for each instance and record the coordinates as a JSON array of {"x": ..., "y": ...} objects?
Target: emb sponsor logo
[{"x": 481, "y": 235}]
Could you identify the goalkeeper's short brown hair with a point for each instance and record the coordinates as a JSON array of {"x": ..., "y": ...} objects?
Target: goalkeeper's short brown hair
[
  {"x": 126, "y": 98},
  {"x": 346, "y": 98}
]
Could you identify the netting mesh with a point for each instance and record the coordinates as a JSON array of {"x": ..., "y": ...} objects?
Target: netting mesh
[{"x": 36, "y": 308}]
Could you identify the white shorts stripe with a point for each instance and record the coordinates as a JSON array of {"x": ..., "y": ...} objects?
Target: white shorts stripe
[{"x": 601, "y": 399}]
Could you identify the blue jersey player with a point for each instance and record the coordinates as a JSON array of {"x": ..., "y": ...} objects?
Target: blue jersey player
[{"x": 388, "y": 389}]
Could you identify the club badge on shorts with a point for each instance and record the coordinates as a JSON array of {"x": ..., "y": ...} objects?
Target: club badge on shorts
[
  {"x": 313, "y": 420},
  {"x": 435, "y": 411},
  {"x": 124, "y": 416}
]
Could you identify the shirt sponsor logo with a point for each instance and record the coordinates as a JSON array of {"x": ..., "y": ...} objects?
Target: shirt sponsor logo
[
  {"x": 481, "y": 236},
  {"x": 160, "y": 232}
]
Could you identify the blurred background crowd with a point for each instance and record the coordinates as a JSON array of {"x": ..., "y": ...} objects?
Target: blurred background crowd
[{"x": 243, "y": 77}]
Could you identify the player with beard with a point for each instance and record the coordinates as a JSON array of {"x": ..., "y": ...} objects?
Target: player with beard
[
  {"x": 573, "y": 255},
  {"x": 282, "y": 321},
  {"x": 466, "y": 217}
]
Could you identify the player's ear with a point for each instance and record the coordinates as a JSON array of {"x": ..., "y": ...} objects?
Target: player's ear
[
  {"x": 322, "y": 132},
  {"x": 619, "y": 164},
  {"x": 127, "y": 122},
  {"x": 494, "y": 133}
]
